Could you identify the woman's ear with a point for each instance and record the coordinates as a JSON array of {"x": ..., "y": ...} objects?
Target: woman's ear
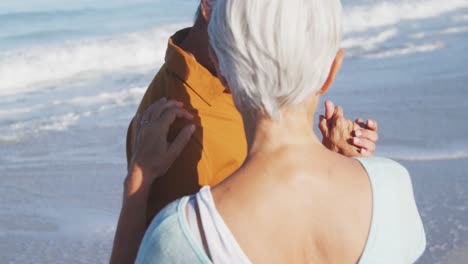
[{"x": 333, "y": 71}]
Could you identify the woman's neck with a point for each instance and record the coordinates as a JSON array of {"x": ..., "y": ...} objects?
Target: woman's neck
[{"x": 294, "y": 128}]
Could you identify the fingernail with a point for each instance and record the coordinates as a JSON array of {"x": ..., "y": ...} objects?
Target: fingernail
[
  {"x": 192, "y": 128},
  {"x": 363, "y": 151},
  {"x": 356, "y": 140},
  {"x": 370, "y": 123},
  {"x": 358, "y": 133}
]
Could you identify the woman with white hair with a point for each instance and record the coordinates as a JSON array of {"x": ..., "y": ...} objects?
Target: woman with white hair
[{"x": 293, "y": 200}]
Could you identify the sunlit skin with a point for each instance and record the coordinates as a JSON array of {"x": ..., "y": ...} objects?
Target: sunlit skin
[{"x": 340, "y": 135}]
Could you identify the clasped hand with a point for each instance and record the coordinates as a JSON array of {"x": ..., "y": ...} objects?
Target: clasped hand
[{"x": 352, "y": 139}]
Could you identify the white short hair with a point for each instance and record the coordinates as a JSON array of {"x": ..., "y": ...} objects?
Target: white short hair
[{"x": 274, "y": 53}]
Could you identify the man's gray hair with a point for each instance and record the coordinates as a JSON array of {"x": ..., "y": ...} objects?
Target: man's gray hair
[{"x": 274, "y": 53}]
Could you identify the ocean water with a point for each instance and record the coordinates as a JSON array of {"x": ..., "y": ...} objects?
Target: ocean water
[{"x": 73, "y": 72}]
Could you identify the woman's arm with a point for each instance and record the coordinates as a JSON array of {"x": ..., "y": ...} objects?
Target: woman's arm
[
  {"x": 152, "y": 156},
  {"x": 132, "y": 221}
]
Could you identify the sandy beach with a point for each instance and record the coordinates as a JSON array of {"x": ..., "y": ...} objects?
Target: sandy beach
[
  {"x": 459, "y": 255},
  {"x": 63, "y": 125},
  {"x": 441, "y": 190}
]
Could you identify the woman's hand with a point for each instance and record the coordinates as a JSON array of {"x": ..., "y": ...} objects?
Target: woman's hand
[
  {"x": 153, "y": 154},
  {"x": 352, "y": 139},
  {"x": 152, "y": 157}
]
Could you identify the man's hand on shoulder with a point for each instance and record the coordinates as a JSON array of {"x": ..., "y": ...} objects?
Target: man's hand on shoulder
[{"x": 352, "y": 139}]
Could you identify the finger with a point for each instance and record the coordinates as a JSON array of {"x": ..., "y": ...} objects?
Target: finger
[
  {"x": 365, "y": 144},
  {"x": 329, "y": 109},
  {"x": 323, "y": 125},
  {"x": 337, "y": 115},
  {"x": 159, "y": 112},
  {"x": 360, "y": 122},
  {"x": 372, "y": 125},
  {"x": 152, "y": 109},
  {"x": 172, "y": 114},
  {"x": 339, "y": 111},
  {"x": 365, "y": 153},
  {"x": 179, "y": 143},
  {"x": 367, "y": 134}
]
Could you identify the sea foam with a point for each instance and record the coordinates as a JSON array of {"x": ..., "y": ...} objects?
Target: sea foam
[
  {"x": 119, "y": 98},
  {"x": 461, "y": 17},
  {"x": 30, "y": 69},
  {"x": 421, "y": 154},
  {"x": 455, "y": 30},
  {"x": 360, "y": 45},
  {"x": 407, "y": 49},
  {"x": 365, "y": 17},
  {"x": 26, "y": 70},
  {"x": 51, "y": 121}
]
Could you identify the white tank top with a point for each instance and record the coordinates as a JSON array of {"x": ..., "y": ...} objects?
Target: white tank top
[
  {"x": 396, "y": 233},
  {"x": 222, "y": 245}
]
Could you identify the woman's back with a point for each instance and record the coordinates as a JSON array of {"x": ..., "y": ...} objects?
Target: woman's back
[
  {"x": 361, "y": 212},
  {"x": 295, "y": 206}
]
